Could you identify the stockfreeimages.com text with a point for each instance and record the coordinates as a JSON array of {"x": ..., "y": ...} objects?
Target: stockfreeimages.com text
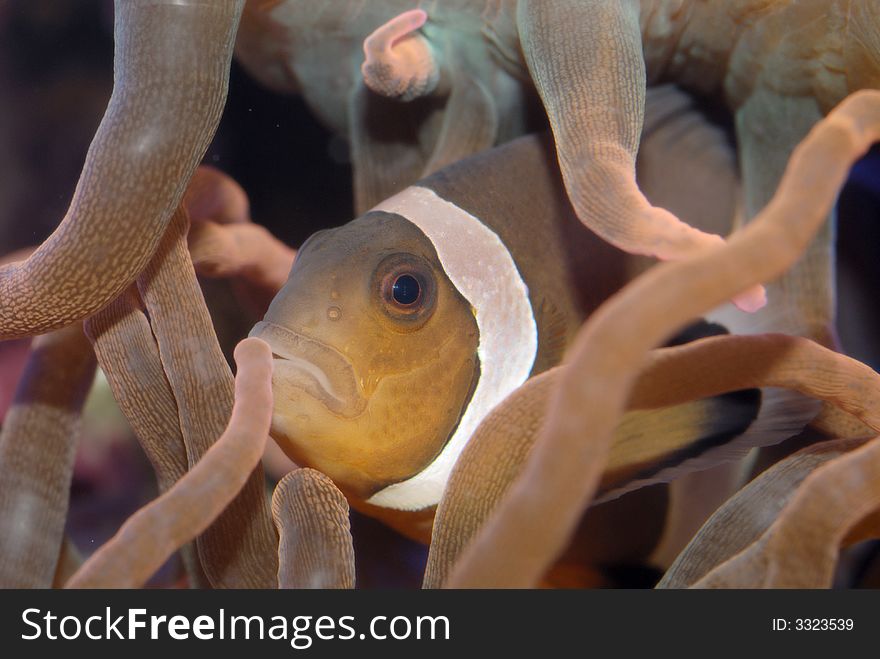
[{"x": 300, "y": 631}]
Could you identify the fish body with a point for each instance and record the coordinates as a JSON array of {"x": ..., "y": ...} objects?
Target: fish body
[
  {"x": 371, "y": 386},
  {"x": 396, "y": 334}
]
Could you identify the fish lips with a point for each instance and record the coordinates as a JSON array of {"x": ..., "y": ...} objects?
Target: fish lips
[{"x": 313, "y": 367}]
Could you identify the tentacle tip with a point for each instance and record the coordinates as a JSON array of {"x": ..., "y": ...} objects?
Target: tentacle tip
[
  {"x": 388, "y": 34},
  {"x": 251, "y": 348},
  {"x": 415, "y": 17},
  {"x": 752, "y": 300}
]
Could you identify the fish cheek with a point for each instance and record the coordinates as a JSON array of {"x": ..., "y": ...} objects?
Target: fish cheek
[
  {"x": 416, "y": 384},
  {"x": 414, "y": 415},
  {"x": 407, "y": 422},
  {"x": 297, "y": 421},
  {"x": 311, "y": 435},
  {"x": 419, "y": 385}
]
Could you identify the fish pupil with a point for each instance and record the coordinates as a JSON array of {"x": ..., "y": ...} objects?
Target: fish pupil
[{"x": 405, "y": 290}]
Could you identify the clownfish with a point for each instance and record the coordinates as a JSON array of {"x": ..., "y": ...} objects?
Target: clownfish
[{"x": 397, "y": 333}]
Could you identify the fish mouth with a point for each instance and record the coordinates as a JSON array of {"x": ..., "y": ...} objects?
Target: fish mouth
[{"x": 303, "y": 363}]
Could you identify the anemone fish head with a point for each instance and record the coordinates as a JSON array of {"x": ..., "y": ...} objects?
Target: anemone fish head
[{"x": 375, "y": 354}]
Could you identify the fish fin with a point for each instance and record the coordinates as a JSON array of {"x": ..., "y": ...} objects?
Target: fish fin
[
  {"x": 781, "y": 414},
  {"x": 702, "y": 329},
  {"x": 470, "y": 123},
  {"x": 784, "y": 410},
  {"x": 649, "y": 446},
  {"x": 553, "y": 336},
  {"x": 699, "y": 435}
]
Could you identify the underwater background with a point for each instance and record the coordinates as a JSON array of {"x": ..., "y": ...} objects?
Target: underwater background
[{"x": 56, "y": 60}]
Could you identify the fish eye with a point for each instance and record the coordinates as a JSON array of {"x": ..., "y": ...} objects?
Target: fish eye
[
  {"x": 406, "y": 290},
  {"x": 401, "y": 290}
]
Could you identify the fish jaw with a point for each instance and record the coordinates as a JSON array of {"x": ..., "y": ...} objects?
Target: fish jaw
[
  {"x": 309, "y": 366},
  {"x": 375, "y": 441}
]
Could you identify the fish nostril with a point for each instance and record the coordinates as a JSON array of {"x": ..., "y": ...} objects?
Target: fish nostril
[{"x": 334, "y": 313}]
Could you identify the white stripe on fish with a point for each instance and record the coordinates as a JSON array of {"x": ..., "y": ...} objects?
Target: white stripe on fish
[{"x": 481, "y": 268}]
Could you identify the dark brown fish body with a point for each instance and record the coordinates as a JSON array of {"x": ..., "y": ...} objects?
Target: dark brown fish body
[
  {"x": 400, "y": 376},
  {"x": 397, "y": 333}
]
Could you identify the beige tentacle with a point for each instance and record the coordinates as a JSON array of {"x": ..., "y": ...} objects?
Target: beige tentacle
[
  {"x": 239, "y": 549},
  {"x": 490, "y": 462},
  {"x": 248, "y": 252},
  {"x": 223, "y": 242},
  {"x": 129, "y": 357},
  {"x": 37, "y": 450},
  {"x": 800, "y": 548},
  {"x": 387, "y": 131},
  {"x": 316, "y": 548},
  {"x": 69, "y": 562},
  {"x": 769, "y": 127},
  {"x": 127, "y": 352},
  {"x": 171, "y": 71},
  {"x": 748, "y": 514},
  {"x": 518, "y": 543},
  {"x": 763, "y": 360},
  {"x": 215, "y": 196},
  {"x": 670, "y": 376},
  {"x": 152, "y": 534},
  {"x": 572, "y": 49},
  {"x": 834, "y": 422},
  {"x": 470, "y": 123}
]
